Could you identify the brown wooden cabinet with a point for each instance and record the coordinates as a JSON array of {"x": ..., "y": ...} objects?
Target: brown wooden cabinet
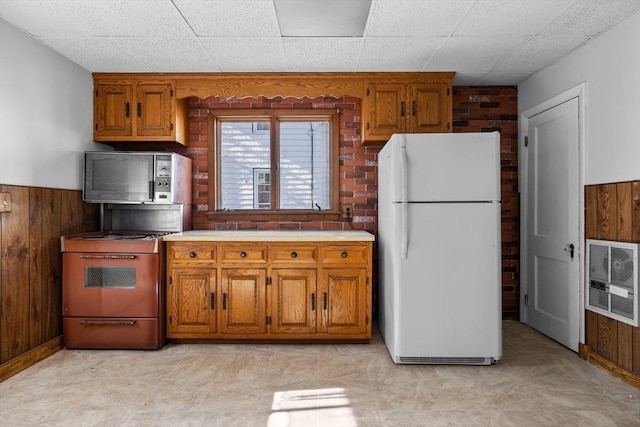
[
  {"x": 405, "y": 106},
  {"x": 138, "y": 111},
  {"x": 309, "y": 290},
  {"x": 192, "y": 290},
  {"x": 192, "y": 301},
  {"x": 243, "y": 301}
]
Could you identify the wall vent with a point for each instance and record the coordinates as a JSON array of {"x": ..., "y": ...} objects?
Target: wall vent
[{"x": 612, "y": 279}]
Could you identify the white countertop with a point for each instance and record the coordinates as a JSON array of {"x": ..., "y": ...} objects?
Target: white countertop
[{"x": 269, "y": 236}]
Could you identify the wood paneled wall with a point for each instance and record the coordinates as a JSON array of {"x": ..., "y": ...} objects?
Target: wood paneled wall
[
  {"x": 612, "y": 212},
  {"x": 31, "y": 264}
]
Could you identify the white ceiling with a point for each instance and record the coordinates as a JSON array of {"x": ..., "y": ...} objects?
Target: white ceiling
[{"x": 486, "y": 42}]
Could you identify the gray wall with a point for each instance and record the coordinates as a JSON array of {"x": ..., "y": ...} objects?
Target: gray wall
[
  {"x": 610, "y": 67},
  {"x": 46, "y": 114}
]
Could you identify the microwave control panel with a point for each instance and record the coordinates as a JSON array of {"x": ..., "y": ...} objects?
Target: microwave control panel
[{"x": 163, "y": 177}]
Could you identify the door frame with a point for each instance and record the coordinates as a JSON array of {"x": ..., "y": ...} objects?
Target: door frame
[{"x": 579, "y": 92}]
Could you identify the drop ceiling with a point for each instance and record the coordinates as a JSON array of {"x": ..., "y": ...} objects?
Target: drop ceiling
[{"x": 486, "y": 42}]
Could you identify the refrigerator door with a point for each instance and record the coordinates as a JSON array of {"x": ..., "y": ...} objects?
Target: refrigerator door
[
  {"x": 445, "y": 167},
  {"x": 447, "y": 291}
]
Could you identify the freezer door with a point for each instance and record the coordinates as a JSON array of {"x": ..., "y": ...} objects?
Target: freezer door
[
  {"x": 448, "y": 288},
  {"x": 445, "y": 167}
]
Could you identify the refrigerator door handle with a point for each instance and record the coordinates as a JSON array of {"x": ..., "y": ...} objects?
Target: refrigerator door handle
[
  {"x": 403, "y": 204},
  {"x": 405, "y": 231}
]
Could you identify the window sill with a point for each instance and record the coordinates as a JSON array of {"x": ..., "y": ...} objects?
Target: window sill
[{"x": 275, "y": 216}]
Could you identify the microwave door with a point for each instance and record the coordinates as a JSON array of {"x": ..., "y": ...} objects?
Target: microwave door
[{"x": 126, "y": 178}]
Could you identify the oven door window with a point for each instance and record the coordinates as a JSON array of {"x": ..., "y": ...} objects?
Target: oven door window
[{"x": 109, "y": 277}]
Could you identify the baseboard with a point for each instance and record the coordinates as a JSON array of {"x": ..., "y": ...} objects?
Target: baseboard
[
  {"x": 30, "y": 358},
  {"x": 584, "y": 351}
]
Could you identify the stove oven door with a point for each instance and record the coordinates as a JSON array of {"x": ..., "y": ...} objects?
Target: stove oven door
[{"x": 110, "y": 285}]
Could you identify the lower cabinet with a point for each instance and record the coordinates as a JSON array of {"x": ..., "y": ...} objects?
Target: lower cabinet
[
  {"x": 243, "y": 301},
  {"x": 191, "y": 301},
  {"x": 273, "y": 291}
]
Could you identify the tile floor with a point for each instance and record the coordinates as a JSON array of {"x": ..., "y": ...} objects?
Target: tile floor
[{"x": 536, "y": 383}]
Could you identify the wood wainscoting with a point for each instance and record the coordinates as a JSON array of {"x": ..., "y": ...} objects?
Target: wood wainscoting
[
  {"x": 612, "y": 212},
  {"x": 31, "y": 270}
]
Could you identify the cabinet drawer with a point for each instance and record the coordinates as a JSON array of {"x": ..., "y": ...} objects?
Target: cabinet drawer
[
  {"x": 342, "y": 255},
  {"x": 294, "y": 254},
  {"x": 243, "y": 254},
  {"x": 192, "y": 252}
]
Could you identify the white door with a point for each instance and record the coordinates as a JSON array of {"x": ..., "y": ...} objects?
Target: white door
[{"x": 552, "y": 301}]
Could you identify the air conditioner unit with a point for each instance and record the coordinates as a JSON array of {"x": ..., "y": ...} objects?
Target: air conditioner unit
[{"x": 612, "y": 279}]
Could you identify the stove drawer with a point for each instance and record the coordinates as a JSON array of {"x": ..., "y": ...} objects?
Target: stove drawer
[{"x": 112, "y": 333}]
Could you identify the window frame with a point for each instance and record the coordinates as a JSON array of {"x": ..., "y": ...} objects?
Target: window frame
[{"x": 216, "y": 116}]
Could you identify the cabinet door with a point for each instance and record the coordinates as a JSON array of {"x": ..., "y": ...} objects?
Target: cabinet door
[
  {"x": 294, "y": 301},
  {"x": 113, "y": 110},
  {"x": 384, "y": 111},
  {"x": 430, "y": 109},
  {"x": 344, "y": 301},
  {"x": 153, "y": 109},
  {"x": 243, "y": 302},
  {"x": 192, "y": 302}
]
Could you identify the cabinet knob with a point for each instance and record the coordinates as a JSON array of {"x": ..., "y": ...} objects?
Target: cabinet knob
[
  {"x": 193, "y": 254},
  {"x": 294, "y": 254},
  {"x": 344, "y": 254},
  {"x": 243, "y": 254}
]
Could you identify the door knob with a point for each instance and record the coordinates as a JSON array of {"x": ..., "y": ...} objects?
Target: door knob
[{"x": 571, "y": 248}]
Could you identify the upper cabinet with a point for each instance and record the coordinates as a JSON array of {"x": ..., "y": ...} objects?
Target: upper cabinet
[
  {"x": 139, "y": 111},
  {"x": 150, "y": 107},
  {"x": 405, "y": 106}
]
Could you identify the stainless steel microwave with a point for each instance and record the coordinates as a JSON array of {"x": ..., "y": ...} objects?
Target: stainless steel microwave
[{"x": 136, "y": 177}]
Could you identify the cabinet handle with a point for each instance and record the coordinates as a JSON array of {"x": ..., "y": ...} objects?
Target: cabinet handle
[
  {"x": 212, "y": 300},
  {"x": 224, "y": 301},
  {"x": 243, "y": 254},
  {"x": 294, "y": 254},
  {"x": 127, "y": 111},
  {"x": 313, "y": 301},
  {"x": 139, "y": 109},
  {"x": 193, "y": 254},
  {"x": 344, "y": 254},
  {"x": 324, "y": 300},
  {"x": 413, "y": 108},
  {"x": 402, "y": 109}
]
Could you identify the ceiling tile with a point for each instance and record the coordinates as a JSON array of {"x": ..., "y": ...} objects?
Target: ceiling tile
[
  {"x": 397, "y": 53},
  {"x": 322, "y": 53},
  {"x": 164, "y": 54},
  {"x": 125, "y": 18},
  {"x": 502, "y": 79},
  {"x": 230, "y": 18},
  {"x": 246, "y": 53},
  {"x": 473, "y": 54},
  {"x": 42, "y": 18},
  {"x": 400, "y": 18},
  {"x": 588, "y": 18},
  {"x": 509, "y": 18},
  {"x": 537, "y": 53},
  {"x": 103, "y": 54}
]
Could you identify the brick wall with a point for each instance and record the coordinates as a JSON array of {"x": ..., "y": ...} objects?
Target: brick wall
[
  {"x": 475, "y": 109},
  {"x": 485, "y": 109}
]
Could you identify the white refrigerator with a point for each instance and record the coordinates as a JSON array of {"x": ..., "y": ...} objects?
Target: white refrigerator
[{"x": 439, "y": 248}]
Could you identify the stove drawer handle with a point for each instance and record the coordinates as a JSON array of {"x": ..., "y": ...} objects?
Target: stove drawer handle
[
  {"x": 108, "y": 322},
  {"x": 108, "y": 256}
]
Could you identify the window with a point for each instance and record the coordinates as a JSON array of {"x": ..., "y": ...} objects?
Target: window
[{"x": 274, "y": 161}]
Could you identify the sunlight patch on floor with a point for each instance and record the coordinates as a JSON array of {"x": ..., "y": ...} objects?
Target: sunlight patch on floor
[{"x": 320, "y": 407}]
